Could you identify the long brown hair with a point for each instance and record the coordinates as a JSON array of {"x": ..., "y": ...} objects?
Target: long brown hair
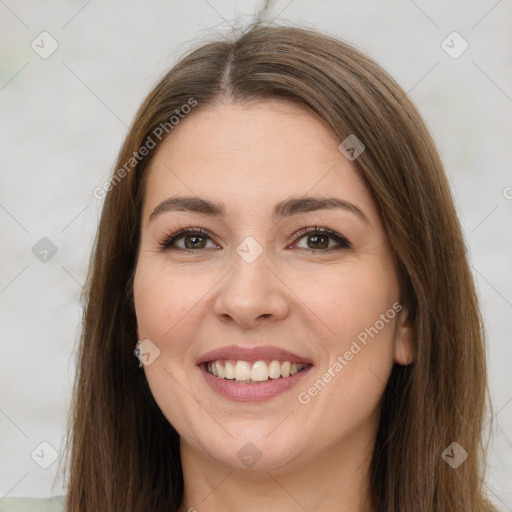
[{"x": 124, "y": 454}]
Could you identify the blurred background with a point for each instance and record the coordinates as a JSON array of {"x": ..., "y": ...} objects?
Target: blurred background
[{"x": 73, "y": 73}]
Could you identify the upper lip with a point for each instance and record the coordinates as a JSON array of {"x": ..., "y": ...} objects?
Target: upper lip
[{"x": 261, "y": 353}]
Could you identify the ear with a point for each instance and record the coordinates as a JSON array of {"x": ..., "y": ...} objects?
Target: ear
[
  {"x": 138, "y": 334},
  {"x": 404, "y": 338}
]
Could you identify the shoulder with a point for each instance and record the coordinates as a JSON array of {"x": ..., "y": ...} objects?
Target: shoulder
[{"x": 54, "y": 504}]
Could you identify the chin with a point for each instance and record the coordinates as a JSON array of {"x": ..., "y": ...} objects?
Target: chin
[{"x": 254, "y": 456}]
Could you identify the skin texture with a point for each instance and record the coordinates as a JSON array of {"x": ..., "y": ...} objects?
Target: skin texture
[{"x": 293, "y": 296}]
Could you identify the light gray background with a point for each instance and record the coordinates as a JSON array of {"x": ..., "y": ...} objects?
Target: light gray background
[{"x": 63, "y": 120}]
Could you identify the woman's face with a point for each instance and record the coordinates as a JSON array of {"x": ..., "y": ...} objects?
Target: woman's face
[{"x": 251, "y": 280}]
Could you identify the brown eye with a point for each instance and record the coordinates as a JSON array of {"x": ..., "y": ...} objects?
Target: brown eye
[
  {"x": 194, "y": 239},
  {"x": 318, "y": 238}
]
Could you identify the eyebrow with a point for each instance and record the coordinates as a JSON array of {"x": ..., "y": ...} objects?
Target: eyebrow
[{"x": 286, "y": 208}]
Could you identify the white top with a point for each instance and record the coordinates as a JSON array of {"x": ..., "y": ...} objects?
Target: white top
[{"x": 54, "y": 504}]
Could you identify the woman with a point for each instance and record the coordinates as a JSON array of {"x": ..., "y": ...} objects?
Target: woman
[{"x": 279, "y": 249}]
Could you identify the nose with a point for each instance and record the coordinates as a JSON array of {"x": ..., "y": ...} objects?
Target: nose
[{"x": 251, "y": 293}]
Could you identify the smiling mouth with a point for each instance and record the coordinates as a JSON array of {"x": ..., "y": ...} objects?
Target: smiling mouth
[{"x": 245, "y": 372}]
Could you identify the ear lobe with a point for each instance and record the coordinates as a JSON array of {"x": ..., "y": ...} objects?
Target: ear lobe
[{"x": 404, "y": 339}]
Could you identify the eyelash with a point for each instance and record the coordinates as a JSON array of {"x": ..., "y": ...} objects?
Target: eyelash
[{"x": 167, "y": 242}]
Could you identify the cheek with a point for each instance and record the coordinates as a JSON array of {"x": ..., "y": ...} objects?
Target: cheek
[
  {"x": 352, "y": 298},
  {"x": 359, "y": 305},
  {"x": 161, "y": 300}
]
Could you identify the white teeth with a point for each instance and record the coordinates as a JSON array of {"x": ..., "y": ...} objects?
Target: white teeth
[
  {"x": 229, "y": 371},
  {"x": 274, "y": 370},
  {"x": 220, "y": 370},
  {"x": 242, "y": 370},
  {"x": 259, "y": 371}
]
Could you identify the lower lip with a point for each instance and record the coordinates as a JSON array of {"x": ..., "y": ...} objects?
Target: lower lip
[{"x": 259, "y": 392}]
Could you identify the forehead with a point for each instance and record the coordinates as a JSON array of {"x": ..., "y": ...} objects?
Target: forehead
[{"x": 251, "y": 157}]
